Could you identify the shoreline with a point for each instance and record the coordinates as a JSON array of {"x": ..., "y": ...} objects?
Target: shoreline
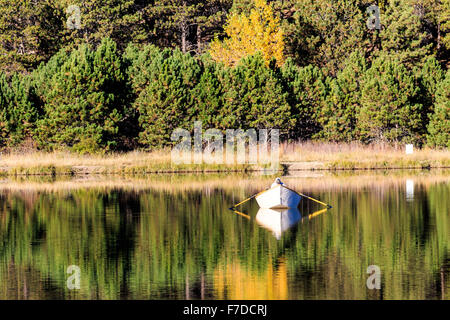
[
  {"x": 293, "y": 158},
  {"x": 284, "y": 167}
]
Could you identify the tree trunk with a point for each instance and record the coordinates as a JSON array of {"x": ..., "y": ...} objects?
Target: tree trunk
[
  {"x": 199, "y": 39},
  {"x": 183, "y": 29},
  {"x": 183, "y": 37},
  {"x": 438, "y": 36}
]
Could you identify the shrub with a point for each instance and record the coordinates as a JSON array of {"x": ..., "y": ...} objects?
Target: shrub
[
  {"x": 439, "y": 127},
  {"x": 166, "y": 102},
  {"x": 338, "y": 117},
  {"x": 82, "y": 96},
  {"x": 18, "y": 109},
  {"x": 255, "y": 97},
  {"x": 390, "y": 110},
  {"x": 306, "y": 88}
]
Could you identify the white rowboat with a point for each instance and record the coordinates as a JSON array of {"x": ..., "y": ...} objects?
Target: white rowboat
[{"x": 278, "y": 197}]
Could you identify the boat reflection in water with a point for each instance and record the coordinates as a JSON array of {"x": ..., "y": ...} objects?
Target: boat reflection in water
[{"x": 278, "y": 221}]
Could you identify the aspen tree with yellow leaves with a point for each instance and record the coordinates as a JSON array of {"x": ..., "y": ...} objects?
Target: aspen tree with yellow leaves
[{"x": 248, "y": 34}]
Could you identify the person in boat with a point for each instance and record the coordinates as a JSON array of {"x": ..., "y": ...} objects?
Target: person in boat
[{"x": 276, "y": 183}]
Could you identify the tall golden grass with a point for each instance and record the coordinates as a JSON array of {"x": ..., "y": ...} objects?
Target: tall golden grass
[
  {"x": 135, "y": 162},
  {"x": 354, "y": 155},
  {"x": 294, "y": 156}
]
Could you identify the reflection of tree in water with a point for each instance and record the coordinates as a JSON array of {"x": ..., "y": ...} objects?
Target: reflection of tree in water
[
  {"x": 26, "y": 283},
  {"x": 189, "y": 245},
  {"x": 93, "y": 230},
  {"x": 120, "y": 238}
]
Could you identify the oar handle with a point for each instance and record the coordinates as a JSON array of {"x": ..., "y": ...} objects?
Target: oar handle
[
  {"x": 242, "y": 214},
  {"x": 322, "y": 203},
  {"x": 242, "y": 202},
  {"x": 250, "y": 198}
]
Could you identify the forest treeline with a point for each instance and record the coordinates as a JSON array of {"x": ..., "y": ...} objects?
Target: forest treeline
[{"x": 134, "y": 71}]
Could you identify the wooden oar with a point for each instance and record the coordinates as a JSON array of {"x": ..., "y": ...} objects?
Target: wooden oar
[
  {"x": 242, "y": 214},
  {"x": 315, "y": 214},
  {"x": 250, "y": 198},
  {"x": 322, "y": 203}
]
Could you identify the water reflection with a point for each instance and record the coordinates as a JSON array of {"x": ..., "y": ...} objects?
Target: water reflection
[
  {"x": 409, "y": 190},
  {"x": 158, "y": 243},
  {"x": 278, "y": 221}
]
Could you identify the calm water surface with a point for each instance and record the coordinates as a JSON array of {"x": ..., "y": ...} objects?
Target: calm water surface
[{"x": 178, "y": 242}]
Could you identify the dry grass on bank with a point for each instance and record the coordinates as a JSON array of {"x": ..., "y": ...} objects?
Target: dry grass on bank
[
  {"x": 296, "y": 156},
  {"x": 59, "y": 163},
  {"x": 358, "y": 156}
]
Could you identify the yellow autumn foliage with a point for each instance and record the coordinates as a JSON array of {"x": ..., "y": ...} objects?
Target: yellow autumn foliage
[{"x": 246, "y": 35}]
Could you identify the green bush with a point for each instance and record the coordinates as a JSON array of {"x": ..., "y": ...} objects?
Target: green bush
[
  {"x": 83, "y": 100},
  {"x": 307, "y": 89},
  {"x": 254, "y": 97},
  {"x": 439, "y": 127},
  {"x": 209, "y": 94},
  {"x": 167, "y": 101},
  {"x": 338, "y": 117},
  {"x": 390, "y": 110},
  {"x": 18, "y": 109}
]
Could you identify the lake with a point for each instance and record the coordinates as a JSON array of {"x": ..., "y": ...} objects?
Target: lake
[{"x": 174, "y": 237}]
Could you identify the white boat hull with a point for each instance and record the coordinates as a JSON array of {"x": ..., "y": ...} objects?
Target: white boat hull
[{"x": 278, "y": 197}]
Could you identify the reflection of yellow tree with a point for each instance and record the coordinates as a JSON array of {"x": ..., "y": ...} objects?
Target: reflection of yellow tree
[{"x": 236, "y": 282}]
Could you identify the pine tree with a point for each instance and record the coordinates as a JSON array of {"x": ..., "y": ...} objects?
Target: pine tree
[
  {"x": 43, "y": 74},
  {"x": 210, "y": 21},
  {"x": 144, "y": 65},
  {"x": 187, "y": 24},
  {"x": 402, "y": 35},
  {"x": 324, "y": 33},
  {"x": 83, "y": 102},
  {"x": 439, "y": 127},
  {"x": 164, "y": 105},
  {"x": 242, "y": 6},
  {"x": 390, "y": 110},
  {"x": 306, "y": 89},
  {"x": 430, "y": 75},
  {"x": 248, "y": 34},
  {"x": 444, "y": 23},
  {"x": 254, "y": 97},
  {"x": 24, "y": 110},
  {"x": 338, "y": 116},
  {"x": 208, "y": 95},
  {"x": 434, "y": 16},
  {"x": 30, "y": 32},
  {"x": 121, "y": 20},
  {"x": 18, "y": 109},
  {"x": 5, "y": 98}
]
